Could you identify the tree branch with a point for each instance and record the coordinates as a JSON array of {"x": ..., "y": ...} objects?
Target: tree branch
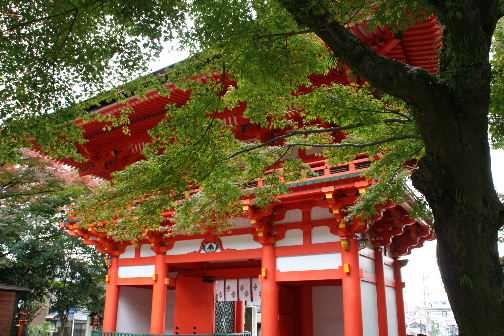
[
  {"x": 379, "y": 142},
  {"x": 398, "y": 120},
  {"x": 294, "y": 133},
  {"x": 273, "y": 37},
  {"x": 407, "y": 117},
  {"x": 278, "y": 159},
  {"x": 411, "y": 84}
]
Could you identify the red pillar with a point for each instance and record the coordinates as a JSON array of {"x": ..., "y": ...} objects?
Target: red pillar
[
  {"x": 306, "y": 310},
  {"x": 158, "y": 312},
  {"x": 352, "y": 305},
  {"x": 112, "y": 298},
  {"x": 401, "y": 319},
  {"x": 381, "y": 297},
  {"x": 269, "y": 315},
  {"x": 240, "y": 316}
]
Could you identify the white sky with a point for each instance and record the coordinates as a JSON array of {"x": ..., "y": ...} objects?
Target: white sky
[{"x": 422, "y": 271}]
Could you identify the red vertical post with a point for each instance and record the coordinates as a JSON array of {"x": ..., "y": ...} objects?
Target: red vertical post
[
  {"x": 381, "y": 297},
  {"x": 306, "y": 310},
  {"x": 112, "y": 297},
  {"x": 159, "y": 291},
  {"x": 352, "y": 304},
  {"x": 240, "y": 316},
  {"x": 401, "y": 319},
  {"x": 269, "y": 315}
]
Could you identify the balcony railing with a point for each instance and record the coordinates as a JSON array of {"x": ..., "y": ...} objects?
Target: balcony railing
[{"x": 107, "y": 333}]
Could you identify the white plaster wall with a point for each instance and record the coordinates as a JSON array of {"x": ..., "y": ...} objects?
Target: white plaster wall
[
  {"x": 146, "y": 251},
  {"x": 322, "y": 234},
  {"x": 327, "y": 302},
  {"x": 369, "y": 309},
  {"x": 239, "y": 242},
  {"x": 185, "y": 246},
  {"x": 309, "y": 262},
  {"x": 388, "y": 272},
  {"x": 136, "y": 271},
  {"x": 367, "y": 264},
  {"x": 240, "y": 222},
  {"x": 292, "y": 237},
  {"x": 320, "y": 213},
  {"x": 170, "y": 312},
  {"x": 129, "y": 252},
  {"x": 391, "y": 311},
  {"x": 291, "y": 216},
  {"x": 134, "y": 310}
]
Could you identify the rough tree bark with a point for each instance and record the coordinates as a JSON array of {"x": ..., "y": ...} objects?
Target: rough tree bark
[{"x": 451, "y": 113}]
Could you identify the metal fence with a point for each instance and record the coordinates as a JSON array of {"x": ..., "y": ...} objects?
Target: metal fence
[{"x": 107, "y": 333}]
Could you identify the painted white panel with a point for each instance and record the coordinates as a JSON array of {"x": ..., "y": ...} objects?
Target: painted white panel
[
  {"x": 136, "y": 271},
  {"x": 327, "y": 302},
  {"x": 240, "y": 242},
  {"x": 231, "y": 290},
  {"x": 146, "y": 251},
  {"x": 134, "y": 310},
  {"x": 244, "y": 289},
  {"x": 292, "y": 237},
  {"x": 291, "y": 216},
  {"x": 256, "y": 291},
  {"x": 170, "y": 312},
  {"x": 309, "y": 262},
  {"x": 393, "y": 328},
  {"x": 388, "y": 272},
  {"x": 322, "y": 234},
  {"x": 219, "y": 290},
  {"x": 185, "y": 246},
  {"x": 320, "y": 213},
  {"x": 129, "y": 252},
  {"x": 369, "y": 309},
  {"x": 240, "y": 222},
  {"x": 367, "y": 264}
]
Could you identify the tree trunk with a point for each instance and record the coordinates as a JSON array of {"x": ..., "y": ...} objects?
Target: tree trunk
[{"x": 456, "y": 181}]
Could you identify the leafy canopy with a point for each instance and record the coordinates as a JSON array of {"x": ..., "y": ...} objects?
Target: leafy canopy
[
  {"x": 87, "y": 47},
  {"x": 35, "y": 251}
]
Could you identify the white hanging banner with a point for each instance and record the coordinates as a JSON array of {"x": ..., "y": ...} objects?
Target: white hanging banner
[
  {"x": 256, "y": 291},
  {"x": 231, "y": 290},
  {"x": 219, "y": 290},
  {"x": 244, "y": 290}
]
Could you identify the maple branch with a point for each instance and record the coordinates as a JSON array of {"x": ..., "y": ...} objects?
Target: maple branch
[
  {"x": 369, "y": 144},
  {"x": 389, "y": 111},
  {"x": 273, "y": 37},
  {"x": 278, "y": 159},
  {"x": 294, "y": 133},
  {"x": 395, "y": 78}
]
